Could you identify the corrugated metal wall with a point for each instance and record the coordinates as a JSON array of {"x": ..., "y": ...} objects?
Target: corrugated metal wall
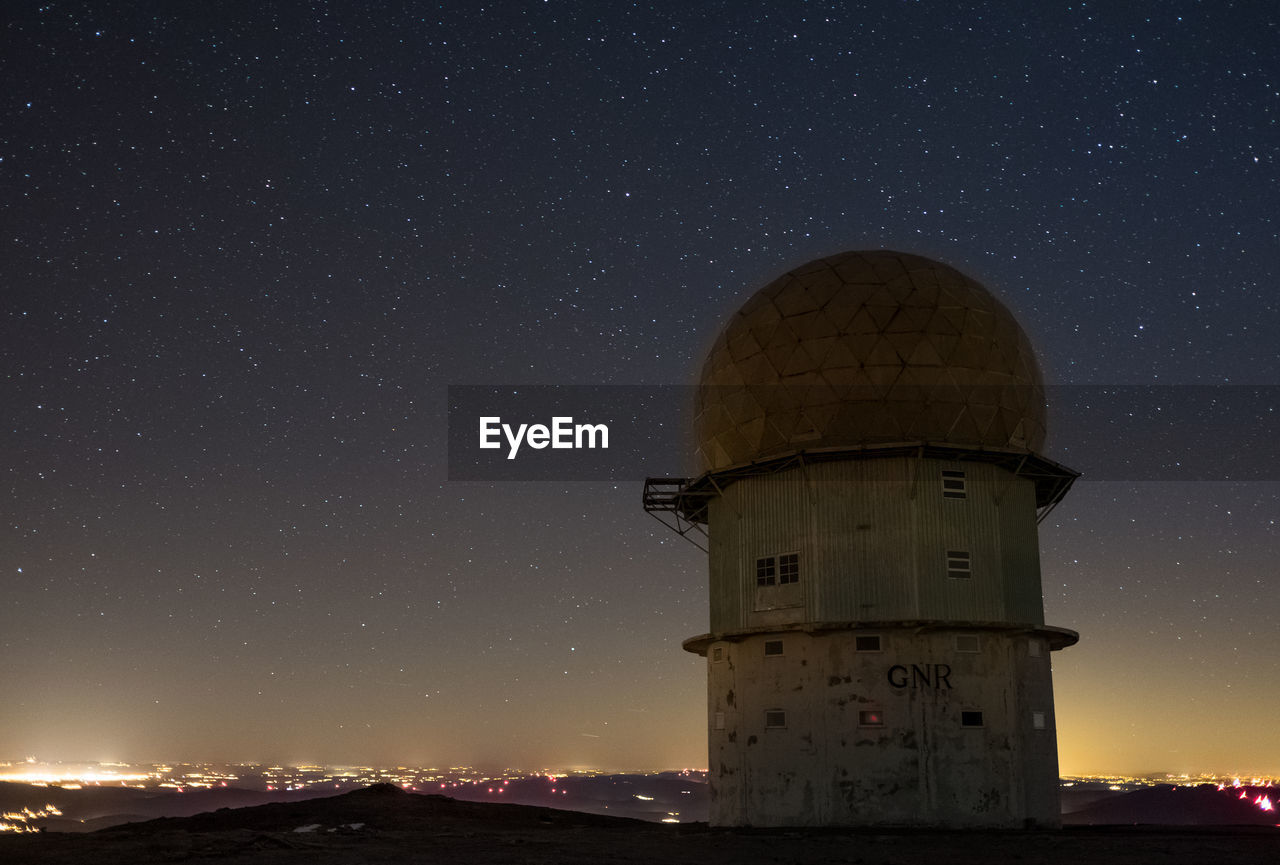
[{"x": 873, "y": 537}]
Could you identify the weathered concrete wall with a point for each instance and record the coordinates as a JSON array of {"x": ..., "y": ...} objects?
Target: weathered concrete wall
[{"x": 821, "y": 762}]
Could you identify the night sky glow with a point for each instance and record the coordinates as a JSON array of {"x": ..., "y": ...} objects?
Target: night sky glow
[{"x": 247, "y": 247}]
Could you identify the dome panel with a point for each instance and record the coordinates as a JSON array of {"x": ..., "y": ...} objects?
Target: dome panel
[{"x": 822, "y": 286}]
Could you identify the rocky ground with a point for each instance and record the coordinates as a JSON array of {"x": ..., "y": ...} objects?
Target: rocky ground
[{"x": 386, "y": 825}]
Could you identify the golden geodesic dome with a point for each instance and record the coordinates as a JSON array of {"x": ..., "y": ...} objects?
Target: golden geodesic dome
[{"x": 868, "y": 348}]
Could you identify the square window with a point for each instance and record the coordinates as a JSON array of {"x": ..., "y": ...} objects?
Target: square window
[
  {"x": 717, "y": 654},
  {"x": 867, "y": 643},
  {"x": 958, "y": 564},
  {"x": 870, "y": 718},
  {"x": 1033, "y": 647},
  {"x": 718, "y": 721},
  {"x": 775, "y": 718},
  {"x": 766, "y": 571},
  {"x": 773, "y": 647},
  {"x": 789, "y": 568},
  {"x": 778, "y": 570},
  {"x": 968, "y": 643},
  {"x": 954, "y": 485},
  {"x": 1037, "y": 720},
  {"x": 970, "y": 719}
]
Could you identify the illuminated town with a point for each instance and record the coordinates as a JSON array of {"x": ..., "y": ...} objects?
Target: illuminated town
[{"x": 669, "y": 797}]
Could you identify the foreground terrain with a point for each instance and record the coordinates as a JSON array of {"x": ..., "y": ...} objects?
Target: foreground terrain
[{"x": 387, "y": 825}]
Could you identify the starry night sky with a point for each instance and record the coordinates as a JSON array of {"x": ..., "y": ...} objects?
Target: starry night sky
[{"x": 248, "y": 246}]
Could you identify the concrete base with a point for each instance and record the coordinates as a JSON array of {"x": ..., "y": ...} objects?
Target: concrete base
[{"x": 944, "y": 725}]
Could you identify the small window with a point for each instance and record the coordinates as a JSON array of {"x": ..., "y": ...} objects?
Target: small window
[
  {"x": 775, "y": 718},
  {"x": 778, "y": 570},
  {"x": 970, "y": 719},
  {"x": 718, "y": 721},
  {"x": 953, "y": 485},
  {"x": 717, "y": 654},
  {"x": 788, "y": 568},
  {"x": 958, "y": 564},
  {"x": 968, "y": 643},
  {"x": 773, "y": 647},
  {"x": 1033, "y": 647},
  {"x": 867, "y": 643},
  {"x": 870, "y": 718},
  {"x": 1037, "y": 720}
]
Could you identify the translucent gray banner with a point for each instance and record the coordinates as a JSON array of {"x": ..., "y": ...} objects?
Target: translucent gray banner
[{"x": 627, "y": 433}]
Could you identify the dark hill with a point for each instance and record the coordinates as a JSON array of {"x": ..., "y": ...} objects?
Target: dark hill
[
  {"x": 384, "y": 824},
  {"x": 381, "y": 807},
  {"x": 1166, "y": 805}
]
